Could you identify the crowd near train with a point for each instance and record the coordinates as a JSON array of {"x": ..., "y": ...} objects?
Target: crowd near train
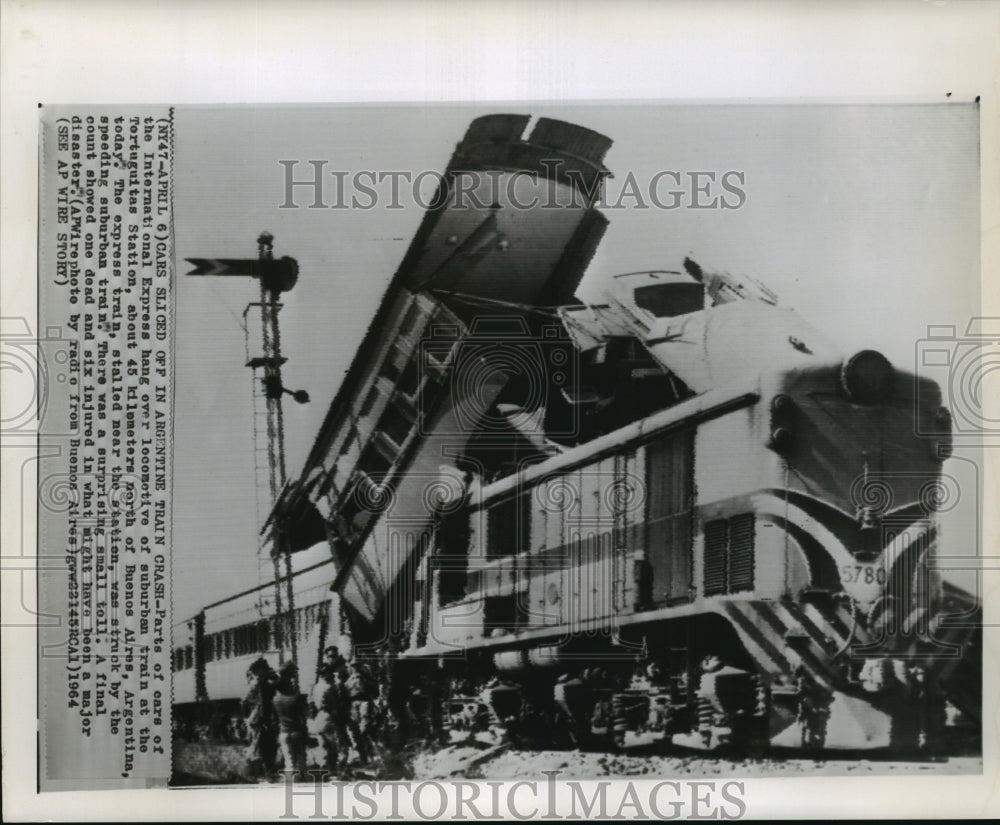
[{"x": 678, "y": 515}]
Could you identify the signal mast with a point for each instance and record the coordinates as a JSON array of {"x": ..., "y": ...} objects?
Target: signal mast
[{"x": 263, "y": 356}]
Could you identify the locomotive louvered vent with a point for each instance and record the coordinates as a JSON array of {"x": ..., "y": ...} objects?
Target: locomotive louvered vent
[
  {"x": 741, "y": 553},
  {"x": 729, "y": 558},
  {"x": 716, "y": 538}
]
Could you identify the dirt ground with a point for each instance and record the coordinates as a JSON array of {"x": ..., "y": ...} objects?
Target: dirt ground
[{"x": 502, "y": 763}]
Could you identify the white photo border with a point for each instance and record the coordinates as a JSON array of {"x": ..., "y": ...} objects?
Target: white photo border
[{"x": 217, "y": 52}]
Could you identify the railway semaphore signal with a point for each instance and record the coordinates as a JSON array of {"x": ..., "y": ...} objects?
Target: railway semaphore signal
[{"x": 276, "y": 275}]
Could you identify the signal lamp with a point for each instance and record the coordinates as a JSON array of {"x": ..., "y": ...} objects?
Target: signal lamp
[{"x": 273, "y": 389}]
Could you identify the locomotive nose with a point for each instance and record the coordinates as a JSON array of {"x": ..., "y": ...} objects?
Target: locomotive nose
[{"x": 867, "y": 377}]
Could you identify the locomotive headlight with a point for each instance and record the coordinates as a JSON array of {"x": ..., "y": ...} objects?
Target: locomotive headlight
[
  {"x": 867, "y": 377},
  {"x": 782, "y": 423}
]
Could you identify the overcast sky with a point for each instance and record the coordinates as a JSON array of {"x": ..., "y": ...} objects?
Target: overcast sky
[{"x": 865, "y": 219}]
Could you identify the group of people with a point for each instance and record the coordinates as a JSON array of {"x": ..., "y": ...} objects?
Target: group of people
[
  {"x": 347, "y": 708},
  {"x": 334, "y": 726}
]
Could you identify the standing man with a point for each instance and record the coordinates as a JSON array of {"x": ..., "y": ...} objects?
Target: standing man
[
  {"x": 571, "y": 696},
  {"x": 357, "y": 694},
  {"x": 260, "y": 719},
  {"x": 324, "y": 703},
  {"x": 290, "y": 710}
]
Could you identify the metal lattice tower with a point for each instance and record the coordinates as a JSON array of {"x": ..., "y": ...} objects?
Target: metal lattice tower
[
  {"x": 264, "y": 357},
  {"x": 269, "y": 433}
]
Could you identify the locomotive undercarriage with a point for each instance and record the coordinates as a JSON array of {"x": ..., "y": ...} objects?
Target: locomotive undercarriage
[{"x": 687, "y": 683}]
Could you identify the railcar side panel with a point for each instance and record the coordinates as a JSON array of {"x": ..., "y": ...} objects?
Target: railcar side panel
[{"x": 669, "y": 516}]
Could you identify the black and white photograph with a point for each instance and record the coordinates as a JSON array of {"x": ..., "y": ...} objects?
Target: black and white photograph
[
  {"x": 435, "y": 413},
  {"x": 600, "y": 439}
]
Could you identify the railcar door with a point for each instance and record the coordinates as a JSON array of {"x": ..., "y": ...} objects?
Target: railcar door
[{"x": 669, "y": 516}]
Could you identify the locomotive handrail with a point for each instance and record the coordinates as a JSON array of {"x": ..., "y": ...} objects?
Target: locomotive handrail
[
  {"x": 648, "y": 272},
  {"x": 519, "y": 638},
  {"x": 693, "y": 411}
]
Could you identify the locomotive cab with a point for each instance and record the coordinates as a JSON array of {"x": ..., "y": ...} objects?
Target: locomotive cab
[{"x": 659, "y": 294}]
